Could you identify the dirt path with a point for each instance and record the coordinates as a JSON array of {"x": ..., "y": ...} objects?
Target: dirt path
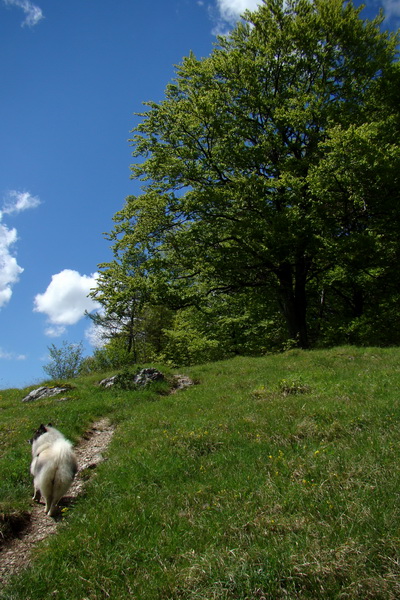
[{"x": 15, "y": 554}]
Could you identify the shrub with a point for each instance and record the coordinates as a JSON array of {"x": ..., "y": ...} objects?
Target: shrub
[{"x": 66, "y": 361}]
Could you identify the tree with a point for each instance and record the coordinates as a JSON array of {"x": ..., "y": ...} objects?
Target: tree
[
  {"x": 357, "y": 181},
  {"x": 229, "y": 159},
  {"x": 121, "y": 291},
  {"x": 128, "y": 322},
  {"x": 65, "y": 361}
]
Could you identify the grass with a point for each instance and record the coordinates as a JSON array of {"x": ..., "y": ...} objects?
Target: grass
[{"x": 274, "y": 478}]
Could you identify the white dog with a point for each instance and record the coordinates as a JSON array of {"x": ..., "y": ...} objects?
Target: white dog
[{"x": 53, "y": 466}]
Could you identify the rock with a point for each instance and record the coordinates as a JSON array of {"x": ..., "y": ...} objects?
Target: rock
[
  {"x": 44, "y": 392},
  {"x": 108, "y": 381},
  {"x": 181, "y": 382},
  {"x": 130, "y": 381},
  {"x": 146, "y": 376}
]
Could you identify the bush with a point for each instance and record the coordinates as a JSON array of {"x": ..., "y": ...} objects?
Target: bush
[
  {"x": 112, "y": 356},
  {"x": 66, "y": 361}
]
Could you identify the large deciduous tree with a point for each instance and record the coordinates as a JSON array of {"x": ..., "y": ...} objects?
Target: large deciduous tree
[{"x": 234, "y": 162}]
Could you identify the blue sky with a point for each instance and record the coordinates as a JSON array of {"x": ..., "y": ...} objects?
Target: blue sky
[{"x": 73, "y": 73}]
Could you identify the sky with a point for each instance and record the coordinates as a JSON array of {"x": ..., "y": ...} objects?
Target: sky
[{"x": 73, "y": 75}]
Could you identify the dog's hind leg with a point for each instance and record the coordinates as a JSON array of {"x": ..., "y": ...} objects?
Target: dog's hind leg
[
  {"x": 50, "y": 505},
  {"x": 36, "y": 493},
  {"x": 52, "y": 509},
  {"x": 52, "y": 501},
  {"x": 55, "y": 499}
]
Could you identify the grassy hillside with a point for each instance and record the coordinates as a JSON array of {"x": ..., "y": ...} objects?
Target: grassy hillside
[{"x": 273, "y": 478}]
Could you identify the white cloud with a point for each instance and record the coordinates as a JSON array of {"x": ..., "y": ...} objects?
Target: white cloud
[
  {"x": 9, "y": 268},
  {"x": 231, "y": 10},
  {"x": 33, "y": 14},
  {"x": 226, "y": 13},
  {"x": 391, "y": 8},
  {"x": 11, "y": 356},
  {"x": 94, "y": 335},
  {"x": 66, "y": 300},
  {"x": 16, "y": 202},
  {"x": 55, "y": 330}
]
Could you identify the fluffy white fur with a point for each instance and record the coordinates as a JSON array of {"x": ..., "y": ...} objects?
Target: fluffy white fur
[{"x": 53, "y": 466}]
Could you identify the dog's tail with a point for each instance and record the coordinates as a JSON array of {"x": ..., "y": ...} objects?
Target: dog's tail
[{"x": 60, "y": 474}]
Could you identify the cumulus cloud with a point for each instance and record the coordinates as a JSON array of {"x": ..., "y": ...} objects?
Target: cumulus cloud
[
  {"x": 14, "y": 202},
  {"x": 226, "y": 13},
  {"x": 9, "y": 268},
  {"x": 33, "y": 14},
  {"x": 65, "y": 300},
  {"x": 230, "y": 10}
]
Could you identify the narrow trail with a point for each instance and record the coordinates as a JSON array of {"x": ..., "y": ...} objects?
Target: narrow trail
[{"x": 15, "y": 553}]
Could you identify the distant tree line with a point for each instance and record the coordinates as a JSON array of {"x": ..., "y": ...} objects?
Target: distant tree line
[{"x": 270, "y": 213}]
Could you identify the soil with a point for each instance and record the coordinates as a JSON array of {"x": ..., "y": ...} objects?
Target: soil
[{"x": 28, "y": 529}]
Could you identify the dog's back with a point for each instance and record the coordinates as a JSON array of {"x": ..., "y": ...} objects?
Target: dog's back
[{"x": 53, "y": 466}]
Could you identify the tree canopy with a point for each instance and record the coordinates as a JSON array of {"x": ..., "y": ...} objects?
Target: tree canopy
[{"x": 270, "y": 174}]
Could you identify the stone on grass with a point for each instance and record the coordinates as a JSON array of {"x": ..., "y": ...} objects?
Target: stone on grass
[{"x": 45, "y": 392}]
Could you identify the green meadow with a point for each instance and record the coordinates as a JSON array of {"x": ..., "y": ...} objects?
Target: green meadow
[{"x": 271, "y": 478}]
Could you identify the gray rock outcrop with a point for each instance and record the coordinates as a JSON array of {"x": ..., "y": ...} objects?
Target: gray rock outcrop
[
  {"x": 131, "y": 381},
  {"x": 44, "y": 392}
]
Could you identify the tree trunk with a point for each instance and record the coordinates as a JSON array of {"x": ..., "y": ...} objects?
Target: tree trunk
[
  {"x": 358, "y": 302},
  {"x": 292, "y": 300},
  {"x": 131, "y": 347}
]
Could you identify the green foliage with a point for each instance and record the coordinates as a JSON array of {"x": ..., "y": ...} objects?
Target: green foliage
[
  {"x": 225, "y": 326},
  {"x": 189, "y": 342},
  {"x": 66, "y": 361},
  {"x": 124, "y": 380},
  {"x": 113, "y": 355},
  {"x": 231, "y": 489},
  {"x": 356, "y": 183},
  {"x": 270, "y": 167}
]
